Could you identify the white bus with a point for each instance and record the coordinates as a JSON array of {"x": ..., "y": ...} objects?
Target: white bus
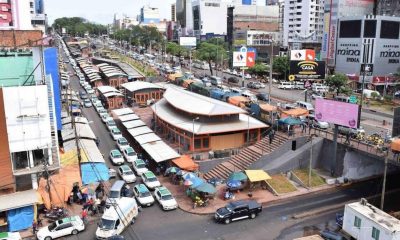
[{"x": 201, "y": 64}]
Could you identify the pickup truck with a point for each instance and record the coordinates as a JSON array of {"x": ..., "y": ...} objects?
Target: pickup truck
[{"x": 238, "y": 210}]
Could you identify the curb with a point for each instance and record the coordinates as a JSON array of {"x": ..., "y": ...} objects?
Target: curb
[{"x": 193, "y": 212}]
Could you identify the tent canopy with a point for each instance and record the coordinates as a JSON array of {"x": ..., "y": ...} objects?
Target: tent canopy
[
  {"x": 267, "y": 107},
  {"x": 186, "y": 163},
  {"x": 296, "y": 112},
  {"x": 257, "y": 175}
]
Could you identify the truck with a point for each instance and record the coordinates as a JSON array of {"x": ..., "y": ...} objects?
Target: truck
[
  {"x": 238, "y": 210},
  {"x": 117, "y": 217}
]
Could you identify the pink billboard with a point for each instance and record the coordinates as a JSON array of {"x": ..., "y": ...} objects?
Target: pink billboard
[{"x": 340, "y": 113}]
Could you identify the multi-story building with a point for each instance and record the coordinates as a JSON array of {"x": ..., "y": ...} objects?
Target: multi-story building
[
  {"x": 206, "y": 13},
  {"x": 125, "y": 22},
  {"x": 184, "y": 17},
  {"x": 149, "y": 15},
  {"x": 334, "y": 10},
  {"x": 303, "y": 23},
  {"x": 173, "y": 12},
  {"x": 22, "y": 15},
  {"x": 388, "y": 8}
]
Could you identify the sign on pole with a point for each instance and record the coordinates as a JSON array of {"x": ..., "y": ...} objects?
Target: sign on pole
[
  {"x": 187, "y": 41},
  {"x": 239, "y": 59},
  {"x": 367, "y": 69},
  {"x": 353, "y": 99},
  {"x": 250, "y": 59}
]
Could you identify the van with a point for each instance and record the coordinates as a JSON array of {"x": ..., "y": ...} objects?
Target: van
[
  {"x": 116, "y": 191},
  {"x": 299, "y": 85},
  {"x": 342, "y": 99},
  {"x": 117, "y": 217},
  {"x": 286, "y": 85},
  {"x": 369, "y": 93},
  {"x": 250, "y": 96},
  {"x": 215, "y": 80},
  {"x": 305, "y": 105},
  {"x": 320, "y": 88}
]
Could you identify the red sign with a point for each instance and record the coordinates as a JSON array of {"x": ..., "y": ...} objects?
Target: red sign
[
  {"x": 310, "y": 55},
  {"x": 5, "y": 15},
  {"x": 250, "y": 59}
]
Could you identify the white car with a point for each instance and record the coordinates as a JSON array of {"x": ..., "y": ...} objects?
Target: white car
[
  {"x": 165, "y": 198},
  {"x": 115, "y": 134},
  {"x": 105, "y": 117},
  {"x": 320, "y": 124},
  {"x": 126, "y": 174},
  {"x": 87, "y": 103},
  {"x": 122, "y": 143},
  {"x": 139, "y": 166},
  {"x": 116, "y": 157},
  {"x": 247, "y": 76},
  {"x": 101, "y": 111},
  {"x": 129, "y": 154},
  {"x": 64, "y": 227},
  {"x": 110, "y": 124},
  {"x": 90, "y": 91},
  {"x": 143, "y": 195},
  {"x": 150, "y": 180}
]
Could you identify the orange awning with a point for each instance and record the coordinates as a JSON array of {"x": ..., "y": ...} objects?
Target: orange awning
[
  {"x": 267, "y": 107},
  {"x": 296, "y": 112},
  {"x": 186, "y": 163},
  {"x": 395, "y": 145},
  {"x": 238, "y": 101}
]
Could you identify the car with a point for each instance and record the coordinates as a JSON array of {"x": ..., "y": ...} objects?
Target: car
[
  {"x": 316, "y": 95},
  {"x": 98, "y": 105},
  {"x": 110, "y": 124},
  {"x": 115, "y": 133},
  {"x": 83, "y": 95},
  {"x": 101, "y": 111},
  {"x": 247, "y": 76},
  {"x": 116, "y": 157},
  {"x": 139, "y": 166},
  {"x": 81, "y": 81},
  {"x": 165, "y": 198},
  {"x": 122, "y": 143},
  {"x": 90, "y": 91},
  {"x": 238, "y": 210},
  {"x": 112, "y": 173},
  {"x": 129, "y": 154},
  {"x": 60, "y": 228},
  {"x": 262, "y": 97},
  {"x": 87, "y": 103},
  {"x": 143, "y": 195},
  {"x": 105, "y": 117},
  {"x": 126, "y": 173},
  {"x": 320, "y": 124},
  {"x": 233, "y": 80},
  {"x": 252, "y": 85},
  {"x": 150, "y": 180},
  {"x": 94, "y": 99}
]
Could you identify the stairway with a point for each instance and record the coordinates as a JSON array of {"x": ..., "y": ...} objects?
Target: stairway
[{"x": 246, "y": 157}]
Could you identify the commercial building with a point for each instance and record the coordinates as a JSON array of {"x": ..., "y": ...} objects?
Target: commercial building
[
  {"x": 141, "y": 92},
  {"x": 125, "y": 22},
  {"x": 362, "y": 220},
  {"x": 206, "y": 13},
  {"x": 149, "y": 15},
  {"x": 303, "y": 23},
  {"x": 113, "y": 76},
  {"x": 388, "y": 8},
  {"x": 334, "y": 10},
  {"x": 22, "y": 15},
  {"x": 173, "y": 12},
  {"x": 370, "y": 40},
  {"x": 184, "y": 17},
  {"x": 252, "y": 17},
  {"x": 198, "y": 123},
  {"x": 110, "y": 97}
]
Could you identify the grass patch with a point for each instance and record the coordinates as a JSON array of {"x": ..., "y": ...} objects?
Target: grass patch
[
  {"x": 146, "y": 70},
  {"x": 316, "y": 180},
  {"x": 281, "y": 184}
]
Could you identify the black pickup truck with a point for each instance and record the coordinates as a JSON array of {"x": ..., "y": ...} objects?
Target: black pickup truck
[{"x": 238, "y": 210}]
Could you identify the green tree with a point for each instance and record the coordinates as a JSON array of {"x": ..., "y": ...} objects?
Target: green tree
[
  {"x": 281, "y": 66},
  {"x": 210, "y": 53},
  {"x": 337, "y": 82},
  {"x": 78, "y": 26},
  {"x": 258, "y": 69},
  {"x": 176, "y": 50}
]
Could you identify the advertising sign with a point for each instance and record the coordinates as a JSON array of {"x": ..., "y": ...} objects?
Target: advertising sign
[
  {"x": 307, "y": 70},
  {"x": 302, "y": 55},
  {"x": 6, "y": 16},
  {"x": 340, "y": 113},
  {"x": 251, "y": 59},
  {"x": 187, "y": 41},
  {"x": 367, "y": 69},
  {"x": 239, "y": 59}
]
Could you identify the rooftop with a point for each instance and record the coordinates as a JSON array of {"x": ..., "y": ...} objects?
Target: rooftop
[
  {"x": 14, "y": 70},
  {"x": 376, "y": 215},
  {"x": 140, "y": 85},
  {"x": 197, "y": 104}
]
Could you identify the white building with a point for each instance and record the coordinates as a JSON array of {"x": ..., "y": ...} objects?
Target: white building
[
  {"x": 184, "y": 17},
  {"x": 364, "y": 221},
  {"x": 22, "y": 15},
  {"x": 149, "y": 15},
  {"x": 209, "y": 16},
  {"x": 303, "y": 23},
  {"x": 125, "y": 22}
]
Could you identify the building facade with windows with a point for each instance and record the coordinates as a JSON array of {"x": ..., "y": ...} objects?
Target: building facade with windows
[
  {"x": 303, "y": 23},
  {"x": 149, "y": 15},
  {"x": 209, "y": 17},
  {"x": 388, "y": 8}
]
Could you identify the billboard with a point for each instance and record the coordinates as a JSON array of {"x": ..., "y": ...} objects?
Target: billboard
[
  {"x": 340, "y": 113},
  {"x": 302, "y": 55},
  {"x": 187, "y": 41},
  {"x": 306, "y": 70},
  {"x": 239, "y": 59},
  {"x": 6, "y": 15},
  {"x": 250, "y": 59}
]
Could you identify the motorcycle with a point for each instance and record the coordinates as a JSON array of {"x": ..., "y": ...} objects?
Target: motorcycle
[{"x": 55, "y": 213}]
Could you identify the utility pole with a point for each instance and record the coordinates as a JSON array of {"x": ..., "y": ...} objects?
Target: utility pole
[
  {"x": 47, "y": 177},
  {"x": 271, "y": 61},
  {"x": 384, "y": 180},
  {"x": 309, "y": 167},
  {"x": 78, "y": 149}
]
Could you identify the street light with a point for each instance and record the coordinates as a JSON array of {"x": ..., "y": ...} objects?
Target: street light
[
  {"x": 363, "y": 78},
  {"x": 248, "y": 128},
  {"x": 194, "y": 119}
]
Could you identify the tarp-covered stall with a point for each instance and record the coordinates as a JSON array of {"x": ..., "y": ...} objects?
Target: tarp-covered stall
[
  {"x": 257, "y": 175},
  {"x": 185, "y": 162}
]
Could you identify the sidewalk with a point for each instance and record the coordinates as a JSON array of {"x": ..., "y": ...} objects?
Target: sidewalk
[{"x": 264, "y": 197}]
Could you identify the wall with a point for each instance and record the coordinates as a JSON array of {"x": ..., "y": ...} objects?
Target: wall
[{"x": 227, "y": 141}]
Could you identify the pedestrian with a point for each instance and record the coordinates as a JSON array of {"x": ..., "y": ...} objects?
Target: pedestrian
[
  {"x": 84, "y": 214},
  {"x": 303, "y": 127},
  {"x": 347, "y": 139},
  {"x": 309, "y": 128},
  {"x": 34, "y": 227}
]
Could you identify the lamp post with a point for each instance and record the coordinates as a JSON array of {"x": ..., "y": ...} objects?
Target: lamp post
[
  {"x": 364, "y": 62},
  {"x": 194, "y": 119},
  {"x": 386, "y": 83},
  {"x": 311, "y": 158},
  {"x": 271, "y": 61}
]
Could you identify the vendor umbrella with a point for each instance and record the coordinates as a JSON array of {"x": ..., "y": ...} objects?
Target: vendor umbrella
[
  {"x": 206, "y": 188},
  {"x": 172, "y": 170},
  {"x": 180, "y": 172},
  {"x": 196, "y": 182},
  {"x": 290, "y": 121},
  {"x": 239, "y": 176},
  {"x": 189, "y": 175},
  {"x": 233, "y": 183},
  {"x": 187, "y": 183}
]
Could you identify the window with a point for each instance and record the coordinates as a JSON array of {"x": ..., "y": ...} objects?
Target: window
[
  {"x": 369, "y": 28},
  {"x": 206, "y": 143},
  {"x": 375, "y": 233},
  {"x": 357, "y": 222},
  {"x": 39, "y": 156},
  {"x": 390, "y": 29},
  {"x": 197, "y": 143},
  {"x": 20, "y": 160},
  {"x": 350, "y": 29}
]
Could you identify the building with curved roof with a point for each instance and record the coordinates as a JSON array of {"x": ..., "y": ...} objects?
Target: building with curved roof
[
  {"x": 111, "y": 97},
  {"x": 198, "y": 123},
  {"x": 140, "y": 92}
]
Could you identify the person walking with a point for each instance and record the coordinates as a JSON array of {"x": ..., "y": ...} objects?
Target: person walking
[
  {"x": 271, "y": 136},
  {"x": 84, "y": 214},
  {"x": 34, "y": 227}
]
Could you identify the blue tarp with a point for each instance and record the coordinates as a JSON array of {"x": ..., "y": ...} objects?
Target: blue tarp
[
  {"x": 94, "y": 172},
  {"x": 19, "y": 219}
]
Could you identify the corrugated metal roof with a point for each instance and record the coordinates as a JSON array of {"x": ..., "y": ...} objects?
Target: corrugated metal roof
[
  {"x": 140, "y": 85},
  {"x": 139, "y": 131},
  {"x": 146, "y": 138},
  {"x": 198, "y": 104},
  {"x": 83, "y": 131},
  {"x": 160, "y": 151},
  {"x": 112, "y": 94},
  {"x": 122, "y": 111},
  {"x": 128, "y": 117},
  {"x": 18, "y": 200},
  {"x": 133, "y": 124},
  {"x": 91, "y": 151},
  {"x": 105, "y": 89}
]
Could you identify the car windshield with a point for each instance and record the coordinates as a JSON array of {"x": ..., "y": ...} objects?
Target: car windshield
[
  {"x": 166, "y": 197},
  {"x": 129, "y": 172},
  {"x": 116, "y": 154},
  {"x": 107, "y": 224},
  {"x": 123, "y": 142},
  {"x": 145, "y": 194},
  {"x": 152, "y": 179},
  {"x": 111, "y": 123},
  {"x": 140, "y": 165},
  {"x": 131, "y": 154},
  {"x": 52, "y": 226},
  {"x": 114, "y": 194}
]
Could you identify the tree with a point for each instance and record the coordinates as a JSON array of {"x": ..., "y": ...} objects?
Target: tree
[
  {"x": 258, "y": 69},
  {"x": 210, "y": 53},
  {"x": 78, "y": 26},
  {"x": 337, "y": 82},
  {"x": 281, "y": 66},
  {"x": 176, "y": 50}
]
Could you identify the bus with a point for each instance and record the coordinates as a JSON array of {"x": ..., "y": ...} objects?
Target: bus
[{"x": 201, "y": 65}]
